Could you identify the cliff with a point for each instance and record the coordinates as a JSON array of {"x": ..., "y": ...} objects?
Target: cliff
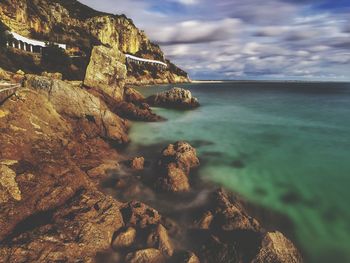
[{"x": 80, "y": 27}]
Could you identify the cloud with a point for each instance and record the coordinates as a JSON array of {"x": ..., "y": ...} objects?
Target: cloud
[
  {"x": 248, "y": 39},
  {"x": 194, "y": 31}
]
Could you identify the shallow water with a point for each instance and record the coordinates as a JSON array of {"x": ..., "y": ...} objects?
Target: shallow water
[{"x": 285, "y": 146}]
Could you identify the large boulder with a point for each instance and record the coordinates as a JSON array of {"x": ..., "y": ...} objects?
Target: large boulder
[
  {"x": 174, "y": 167},
  {"x": 276, "y": 248},
  {"x": 77, "y": 103},
  {"x": 106, "y": 72},
  {"x": 174, "y": 98}
]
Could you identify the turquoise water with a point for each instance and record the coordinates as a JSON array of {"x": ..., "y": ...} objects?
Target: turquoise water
[{"x": 285, "y": 146}]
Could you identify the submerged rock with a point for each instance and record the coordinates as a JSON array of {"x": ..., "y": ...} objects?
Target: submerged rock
[
  {"x": 276, "y": 248},
  {"x": 174, "y": 98},
  {"x": 174, "y": 167}
]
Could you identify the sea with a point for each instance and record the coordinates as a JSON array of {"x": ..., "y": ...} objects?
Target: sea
[{"x": 284, "y": 146}]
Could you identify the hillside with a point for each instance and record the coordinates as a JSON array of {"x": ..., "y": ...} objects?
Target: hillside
[{"x": 79, "y": 26}]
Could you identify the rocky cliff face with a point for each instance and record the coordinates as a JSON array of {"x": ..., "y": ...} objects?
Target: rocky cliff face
[{"x": 68, "y": 21}]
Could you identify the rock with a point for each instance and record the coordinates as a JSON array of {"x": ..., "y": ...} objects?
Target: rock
[
  {"x": 213, "y": 250},
  {"x": 133, "y": 96},
  {"x": 102, "y": 170},
  {"x": 276, "y": 248},
  {"x": 137, "y": 214},
  {"x": 205, "y": 221},
  {"x": 149, "y": 255},
  {"x": 137, "y": 163},
  {"x": 174, "y": 98},
  {"x": 230, "y": 216},
  {"x": 56, "y": 75},
  {"x": 8, "y": 186},
  {"x": 174, "y": 167},
  {"x": 124, "y": 239},
  {"x": 20, "y": 72},
  {"x": 159, "y": 239},
  {"x": 131, "y": 111},
  {"x": 106, "y": 72},
  {"x": 77, "y": 103},
  {"x": 185, "y": 257},
  {"x": 75, "y": 232}
]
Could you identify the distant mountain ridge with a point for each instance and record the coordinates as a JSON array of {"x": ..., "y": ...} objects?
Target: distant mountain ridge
[{"x": 77, "y": 25}]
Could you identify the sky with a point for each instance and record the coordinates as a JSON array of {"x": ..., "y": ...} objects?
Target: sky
[{"x": 246, "y": 39}]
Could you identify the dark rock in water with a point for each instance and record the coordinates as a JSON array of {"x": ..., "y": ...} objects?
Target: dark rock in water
[
  {"x": 174, "y": 98},
  {"x": 216, "y": 251},
  {"x": 238, "y": 164},
  {"x": 276, "y": 248},
  {"x": 174, "y": 167},
  {"x": 230, "y": 216},
  {"x": 184, "y": 257},
  {"x": 291, "y": 197},
  {"x": 149, "y": 255},
  {"x": 132, "y": 111}
]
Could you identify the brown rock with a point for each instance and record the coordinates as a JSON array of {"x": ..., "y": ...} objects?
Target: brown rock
[
  {"x": 102, "y": 170},
  {"x": 106, "y": 71},
  {"x": 140, "y": 215},
  {"x": 276, "y": 248},
  {"x": 124, "y": 239},
  {"x": 174, "y": 98},
  {"x": 77, "y": 103},
  {"x": 149, "y": 255},
  {"x": 187, "y": 257},
  {"x": 230, "y": 215},
  {"x": 131, "y": 111},
  {"x": 175, "y": 164},
  {"x": 159, "y": 239},
  {"x": 75, "y": 232},
  {"x": 133, "y": 96},
  {"x": 205, "y": 221},
  {"x": 137, "y": 163}
]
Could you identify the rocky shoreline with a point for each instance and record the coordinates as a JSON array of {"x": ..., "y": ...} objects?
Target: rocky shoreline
[{"x": 67, "y": 194}]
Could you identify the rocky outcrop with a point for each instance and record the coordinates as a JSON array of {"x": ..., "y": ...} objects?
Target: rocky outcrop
[
  {"x": 75, "y": 232},
  {"x": 77, "y": 103},
  {"x": 81, "y": 27},
  {"x": 134, "y": 112},
  {"x": 174, "y": 98},
  {"x": 106, "y": 72},
  {"x": 133, "y": 96},
  {"x": 174, "y": 167},
  {"x": 276, "y": 248}
]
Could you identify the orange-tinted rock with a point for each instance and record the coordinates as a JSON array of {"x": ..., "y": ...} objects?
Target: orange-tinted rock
[
  {"x": 276, "y": 248},
  {"x": 159, "y": 239},
  {"x": 174, "y": 167},
  {"x": 149, "y": 255}
]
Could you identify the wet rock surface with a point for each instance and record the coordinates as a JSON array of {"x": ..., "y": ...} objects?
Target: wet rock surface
[
  {"x": 175, "y": 98},
  {"x": 174, "y": 167},
  {"x": 56, "y": 145}
]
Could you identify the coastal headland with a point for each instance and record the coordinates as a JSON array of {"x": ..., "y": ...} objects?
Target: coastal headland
[{"x": 62, "y": 141}]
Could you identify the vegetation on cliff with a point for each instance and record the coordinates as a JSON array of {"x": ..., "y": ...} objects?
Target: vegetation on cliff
[{"x": 81, "y": 28}]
